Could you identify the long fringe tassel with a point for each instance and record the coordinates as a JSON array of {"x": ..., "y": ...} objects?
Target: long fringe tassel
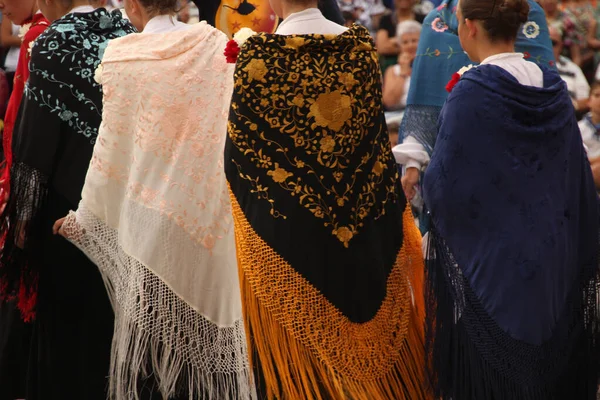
[
  {"x": 292, "y": 371},
  {"x": 566, "y": 369}
]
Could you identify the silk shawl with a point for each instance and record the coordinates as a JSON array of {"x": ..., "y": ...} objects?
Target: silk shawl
[
  {"x": 55, "y": 133},
  {"x": 155, "y": 216},
  {"x": 439, "y": 56},
  {"x": 513, "y": 263},
  {"x": 328, "y": 253}
]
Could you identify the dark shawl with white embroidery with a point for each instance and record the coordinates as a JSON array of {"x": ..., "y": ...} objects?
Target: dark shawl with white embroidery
[{"x": 53, "y": 141}]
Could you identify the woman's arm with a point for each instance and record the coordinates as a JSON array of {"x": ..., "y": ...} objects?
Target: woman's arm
[
  {"x": 593, "y": 43},
  {"x": 385, "y": 44},
  {"x": 7, "y": 39},
  {"x": 393, "y": 88},
  {"x": 575, "y": 51}
]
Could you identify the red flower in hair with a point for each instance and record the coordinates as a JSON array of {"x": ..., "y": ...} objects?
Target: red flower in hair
[
  {"x": 453, "y": 82},
  {"x": 526, "y": 55},
  {"x": 231, "y": 51}
]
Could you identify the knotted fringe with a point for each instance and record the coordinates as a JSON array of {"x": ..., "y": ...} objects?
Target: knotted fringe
[
  {"x": 291, "y": 370},
  {"x": 470, "y": 358},
  {"x": 157, "y": 335},
  {"x": 23, "y": 225}
]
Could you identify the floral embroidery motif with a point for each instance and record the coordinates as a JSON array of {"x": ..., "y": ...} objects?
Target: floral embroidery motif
[
  {"x": 64, "y": 44},
  {"x": 438, "y": 25},
  {"x": 304, "y": 120},
  {"x": 531, "y": 30}
]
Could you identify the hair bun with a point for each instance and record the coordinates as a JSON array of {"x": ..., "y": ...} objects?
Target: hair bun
[{"x": 516, "y": 8}]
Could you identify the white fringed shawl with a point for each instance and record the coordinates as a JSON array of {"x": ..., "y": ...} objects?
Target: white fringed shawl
[{"x": 155, "y": 216}]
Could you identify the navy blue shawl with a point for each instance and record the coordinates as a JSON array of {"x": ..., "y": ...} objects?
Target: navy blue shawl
[{"x": 514, "y": 243}]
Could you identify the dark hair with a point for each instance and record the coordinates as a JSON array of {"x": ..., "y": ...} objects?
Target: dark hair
[
  {"x": 595, "y": 85},
  {"x": 501, "y": 18},
  {"x": 161, "y": 6}
]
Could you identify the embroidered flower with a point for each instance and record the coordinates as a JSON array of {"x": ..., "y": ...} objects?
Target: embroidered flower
[
  {"x": 86, "y": 73},
  {"x": 234, "y": 45},
  {"x": 53, "y": 45},
  {"x": 551, "y": 63},
  {"x": 105, "y": 22},
  {"x": 438, "y": 25},
  {"x": 344, "y": 235},
  {"x": 279, "y": 175},
  {"x": 23, "y": 31},
  {"x": 378, "y": 168},
  {"x": 66, "y": 115},
  {"x": 30, "y": 47},
  {"x": 531, "y": 30},
  {"x": 256, "y": 69},
  {"x": 98, "y": 74},
  {"x": 327, "y": 144},
  {"x": 331, "y": 110},
  {"x": 526, "y": 55},
  {"x": 437, "y": 53}
]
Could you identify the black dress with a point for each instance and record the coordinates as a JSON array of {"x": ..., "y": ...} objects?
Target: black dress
[{"x": 55, "y": 283}]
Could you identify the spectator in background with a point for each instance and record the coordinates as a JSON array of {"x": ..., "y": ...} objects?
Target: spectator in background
[
  {"x": 554, "y": 15},
  {"x": 590, "y": 131},
  {"x": 571, "y": 73},
  {"x": 387, "y": 43},
  {"x": 397, "y": 77},
  {"x": 9, "y": 39},
  {"x": 577, "y": 18}
]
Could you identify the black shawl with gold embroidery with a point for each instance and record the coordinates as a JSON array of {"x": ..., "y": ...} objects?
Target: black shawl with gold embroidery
[{"x": 330, "y": 259}]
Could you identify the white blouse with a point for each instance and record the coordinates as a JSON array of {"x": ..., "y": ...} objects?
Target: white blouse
[
  {"x": 411, "y": 153},
  {"x": 309, "y": 22},
  {"x": 164, "y": 24}
]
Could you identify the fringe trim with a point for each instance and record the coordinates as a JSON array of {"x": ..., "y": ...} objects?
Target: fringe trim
[
  {"x": 468, "y": 362},
  {"x": 157, "y": 335},
  {"x": 293, "y": 371}
]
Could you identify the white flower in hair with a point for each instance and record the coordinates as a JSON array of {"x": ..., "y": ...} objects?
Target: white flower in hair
[
  {"x": 242, "y": 35},
  {"x": 465, "y": 69},
  {"x": 23, "y": 31},
  {"x": 531, "y": 30},
  {"x": 98, "y": 74}
]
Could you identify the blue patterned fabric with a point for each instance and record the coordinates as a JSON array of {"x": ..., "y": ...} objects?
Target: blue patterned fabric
[
  {"x": 515, "y": 241},
  {"x": 440, "y": 55}
]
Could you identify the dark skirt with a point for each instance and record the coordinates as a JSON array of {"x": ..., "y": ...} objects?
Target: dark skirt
[
  {"x": 72, "y": 332},
  {"x": 15, "y": 336}
]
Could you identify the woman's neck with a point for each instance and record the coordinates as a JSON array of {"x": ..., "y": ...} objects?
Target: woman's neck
[
  {"x": 289, "y": 8},
  {"x": 489, "y": 50},
  {"x": 595, "y": 117}
]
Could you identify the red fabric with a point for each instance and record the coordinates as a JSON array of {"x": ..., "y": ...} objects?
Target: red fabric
[
  {"x": 231, "y": 51},
  {"x": 453, "y": 82},
  {"x": 38, "y": 25}
]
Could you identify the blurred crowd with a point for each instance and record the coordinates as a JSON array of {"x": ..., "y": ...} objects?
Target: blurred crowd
[{"x": 396, "y": 25}]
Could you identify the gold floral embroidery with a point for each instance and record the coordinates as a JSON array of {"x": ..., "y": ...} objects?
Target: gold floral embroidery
[
  {"x": 310, "y": 120},
  {"x": 331, "y": 110},
  {"x": 279, "y": 174},
  {"x": 257, "y": 70}
]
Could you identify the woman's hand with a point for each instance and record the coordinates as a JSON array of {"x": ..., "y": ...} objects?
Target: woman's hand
[
  {"x": 409, "y": 181},
  {"x": 58, "y": 228}
]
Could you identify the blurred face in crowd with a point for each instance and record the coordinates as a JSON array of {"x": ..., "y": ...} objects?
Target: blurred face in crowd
[
  {"x": 409, "y": 43},
  {"x": 404, "y": 5},
  {"x": 557, "y": 43},
  {"x": 594, "y": 101},
  {"x": 18, "y": 11},
  {"x": 549, "y": 6}
]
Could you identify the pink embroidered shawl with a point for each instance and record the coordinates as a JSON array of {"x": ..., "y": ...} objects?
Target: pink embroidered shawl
[{"x": 156, "y": 219}]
